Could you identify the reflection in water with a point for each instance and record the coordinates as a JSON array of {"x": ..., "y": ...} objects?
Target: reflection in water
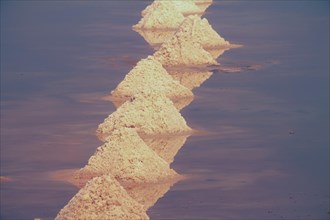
[{"x": 129, "y": 173}]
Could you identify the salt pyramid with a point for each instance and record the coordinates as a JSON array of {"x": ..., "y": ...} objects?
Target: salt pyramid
[
  {"x": 185, "y": 7},
  {"x": 184, "y": 48},
  {"x": 126, "y": 157},
  {"x": 205, "y": 34},
  {"x": 160, "y": 15},
  {"x": 102, "y": 198},
  {"x": 150, "y": 74},
  {"x": 203, "y": 4},
  {"x": 148, "y": 113}
]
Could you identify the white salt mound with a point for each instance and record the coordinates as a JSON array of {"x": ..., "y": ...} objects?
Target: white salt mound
[
  {"x": 184, "y": 48},
  {"x": 201, "y": 2},
  {"x": 126, "y": 157},
  {"x": 160, "y": 15},
  {"x": 102, "y": 198},
  {"x": 185, "y": 7},
  {"x": 150, "y": 75},
  {"x": 205, "y": 34},
  {"x": 148, "y": 113}
]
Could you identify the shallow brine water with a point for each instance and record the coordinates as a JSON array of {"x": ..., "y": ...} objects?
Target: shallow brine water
[{"x": 263, "y": 152}]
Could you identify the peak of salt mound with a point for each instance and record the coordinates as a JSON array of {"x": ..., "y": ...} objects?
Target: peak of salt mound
[
  {"x": 148, "y": 113},
  {"x": 127, "y": 157},
  {"x": 102, "y": 198},
  {"x": 205, "y": 34},
  {"x": 160, "y": 15},
  {"x": 184, "y": 48},
  {"x": 149, "y": 74},
  {"x": 185, "y": 7}
]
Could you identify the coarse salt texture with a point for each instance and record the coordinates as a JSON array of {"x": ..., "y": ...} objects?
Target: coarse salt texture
[
  {"x": 127, "y": 157},
  {"x": 185, "y": 7},
  {"x": 102, "y": 198},
  {"x": 149, "y": 74},
  {"x": 148, "y": 113},
  {"x": 184, "y": 48},
  {"x": 160, "y": 15},
  {"x": 205, "y": 34}
]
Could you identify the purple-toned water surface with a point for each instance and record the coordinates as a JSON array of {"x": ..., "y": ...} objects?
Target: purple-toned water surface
[{"x": 265, "y": 150}]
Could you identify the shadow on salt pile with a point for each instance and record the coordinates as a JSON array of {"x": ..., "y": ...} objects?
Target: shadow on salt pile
[{"x": 166, "y": 146}]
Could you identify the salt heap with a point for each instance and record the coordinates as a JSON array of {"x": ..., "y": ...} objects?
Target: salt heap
[
  {"x": 160, "y": 15},
  {"x": 150, "y": 75},
  {"x": 126, "y": 157},
  {"x": 179, "y": 103},
  {"x": 184, "y": 48},
  {"x": 185, "y": 7},
  {"x": 203, "y": 4},
  {"x": 148, "y": 113},
  {"x": 102, "y": 198},
  {"x": 205, "y": 34}
]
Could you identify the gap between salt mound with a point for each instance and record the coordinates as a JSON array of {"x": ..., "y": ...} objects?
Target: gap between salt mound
[
  {"x": 102, "y": 198},
  {"x": 126, "y": 156},
  {"x": 160, "y": 15},
  {"x": 148, "y": 113}
]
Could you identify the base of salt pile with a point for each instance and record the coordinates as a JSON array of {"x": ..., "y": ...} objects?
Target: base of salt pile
[
  {"x": 160, "y": 15},
  {"x": 127, "y": 157},
  {"x": 148, "y": 113},
  {"x": 205, "y": 34},
  {"x": 179, "y": 103},
  {"x": 102, "y": 198},
  {"x": 149, "y": 75}
]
